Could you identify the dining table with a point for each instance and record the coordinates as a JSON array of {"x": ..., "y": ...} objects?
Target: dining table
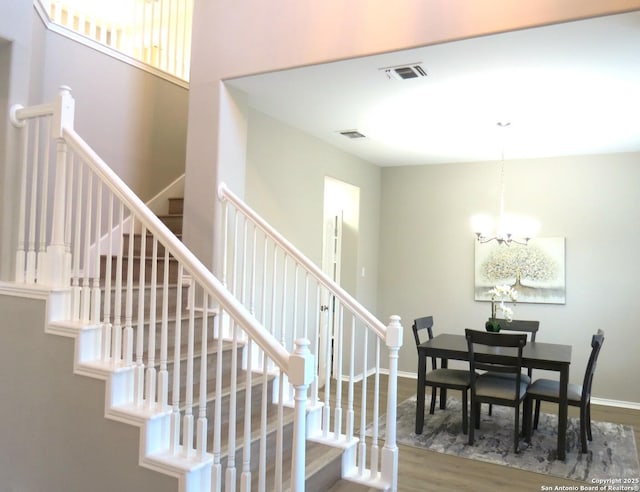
[{"x": 535, "y": 355}]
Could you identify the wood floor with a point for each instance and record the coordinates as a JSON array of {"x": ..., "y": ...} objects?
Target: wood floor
[{"x": 422, "y": 470}]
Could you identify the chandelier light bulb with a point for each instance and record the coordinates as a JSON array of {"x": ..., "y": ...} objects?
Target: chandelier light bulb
[{"x": 510, "y": 228}]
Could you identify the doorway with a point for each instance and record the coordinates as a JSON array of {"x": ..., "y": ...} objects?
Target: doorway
[{"x": 339, "y": 261}]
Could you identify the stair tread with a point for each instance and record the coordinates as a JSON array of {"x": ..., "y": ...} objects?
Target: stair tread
[{"x": 318, "y": 455}]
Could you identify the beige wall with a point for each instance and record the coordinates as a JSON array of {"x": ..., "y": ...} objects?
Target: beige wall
[
  {"x": 230, "y": 42},
  {"x": 286, "y": 172},
  {"x": 134, "y": 120},
  {"x": 285, "y": 183},
  {"x": 427, "y": 253}
]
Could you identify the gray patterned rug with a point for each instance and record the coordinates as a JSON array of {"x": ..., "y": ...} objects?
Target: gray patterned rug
[{"x": 612, "y": 453}]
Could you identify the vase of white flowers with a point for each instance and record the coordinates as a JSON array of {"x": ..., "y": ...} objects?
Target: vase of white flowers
[{"x": 499, "y": 294}]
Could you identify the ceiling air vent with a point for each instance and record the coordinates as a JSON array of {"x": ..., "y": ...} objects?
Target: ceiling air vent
[
  {"x": 352, "y": 134},
  {"x": 405, "y": 72}
]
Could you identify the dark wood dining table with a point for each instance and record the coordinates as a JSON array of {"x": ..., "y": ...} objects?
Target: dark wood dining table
[{"x": 536, "y": 355}]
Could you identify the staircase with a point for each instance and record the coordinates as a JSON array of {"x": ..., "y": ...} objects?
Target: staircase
[
  {"x": 223, "y": 382},
  {"x": 323, "y": 462}
]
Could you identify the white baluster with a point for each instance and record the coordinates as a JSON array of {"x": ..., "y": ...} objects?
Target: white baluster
[
  {"x": 201, "y": 439},
  {"x": 106, "y": 327},
  {"x": 188, "y": 413},
  {"x": 301, "y": 372},
  {"x": 326, "y": 409},
  {"x": 254, "y": 252},
  {"x": 283, "y": 308},
  {"x": 139, "y": 371},
  {"x": 277, "y": 485},
  {"x": 216, "y": 473},
  {"x": 233, "y": 388},
  {"x": 245, "y": 478},
  {"x": 20, "y": 275},
  {"x": 234, "y": 265},
  {"x": 262, "y": 455},
  {"x": 150, "y": 382},
  {"x": 338, "y": 346},
  {"x": 68, "y": 258},
  {"x": 362, "y": 445},
  {"x": 86, "y": 285},
  {"x": 41, "y": 256},
  {"x": 76, "y": 295},
  {"x": 163, "y": 375},
  {"x": 96, "y": 292},
  {"x": 225, "y": 243},
  {"x": 350, "y": 412},
  {"x": 177, "y": 342},
  {"x": 375, "y": 450},
  {"x": 128, "y": 311},
  {"x": 116, "y": 341},
  {"x": 31, "y": 253},
  {"x": 315, "y": 339}
]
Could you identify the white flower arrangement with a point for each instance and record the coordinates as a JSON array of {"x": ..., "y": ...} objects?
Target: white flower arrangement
[{"x": 500, "y": 293}]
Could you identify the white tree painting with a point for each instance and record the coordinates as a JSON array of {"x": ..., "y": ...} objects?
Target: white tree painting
[{"x": 536, "y": 271}]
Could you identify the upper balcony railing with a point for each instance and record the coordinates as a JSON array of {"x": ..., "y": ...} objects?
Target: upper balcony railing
[{"x": 156, "y": 33}]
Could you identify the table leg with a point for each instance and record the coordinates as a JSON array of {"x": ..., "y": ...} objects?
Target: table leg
[
  {"x": 422, "y": 366},
  {"x": 443, "y": 391},
  {"x": 562, "y": 413}
]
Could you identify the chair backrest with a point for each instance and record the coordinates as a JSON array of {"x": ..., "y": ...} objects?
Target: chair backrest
[
  {"x": 422, "y": 331},
  {"x": 520, "y": 325},
  {"x": 420, "y": 327},
  {"x": 596, "y": 344},
  {"x": 492, "y": 360}
]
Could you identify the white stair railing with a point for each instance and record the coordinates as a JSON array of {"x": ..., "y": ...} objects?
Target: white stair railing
[
  {"x": 292, "y": 298},
  {"x": 156, "y": 33},
  {"x": 84, "y": 233}
]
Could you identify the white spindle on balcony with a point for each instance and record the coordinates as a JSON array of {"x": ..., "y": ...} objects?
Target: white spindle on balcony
[{"x": 155, "y": 33}]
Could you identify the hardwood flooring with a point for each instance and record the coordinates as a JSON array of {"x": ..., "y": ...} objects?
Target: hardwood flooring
[{"x": 424, "y": 471}]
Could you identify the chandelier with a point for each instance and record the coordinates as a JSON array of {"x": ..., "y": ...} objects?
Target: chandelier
[{"x": 510, "y": 228}]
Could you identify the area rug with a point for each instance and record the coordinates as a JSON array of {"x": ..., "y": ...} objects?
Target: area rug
[{"x": 612, "y": 453}]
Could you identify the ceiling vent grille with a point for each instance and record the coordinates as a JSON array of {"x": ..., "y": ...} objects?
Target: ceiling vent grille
[
  {"x": 352, "y": 134},
  {"x": 405, "y": 72}
]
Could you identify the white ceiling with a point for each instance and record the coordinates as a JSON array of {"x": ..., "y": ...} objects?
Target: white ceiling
[{"x": 566, "y": 89}]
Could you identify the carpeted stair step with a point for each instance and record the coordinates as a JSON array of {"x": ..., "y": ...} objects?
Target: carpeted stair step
[
  {"x": 173, "y": 222},
  {"x": 172, "y": 291},
  {"x": 176, "y": 206},
  {"x": 173, "y": 268},
  {"x": 322, "y": 463},
  {"x": 212, "y": 359}
]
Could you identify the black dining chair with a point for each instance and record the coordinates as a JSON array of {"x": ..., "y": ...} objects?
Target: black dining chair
[
  {"x": 520, "y": 326},
  {"x": 577, "y": 395},
  {"x": 441, "y": 377},
  {"x": 486, "y": 353}
]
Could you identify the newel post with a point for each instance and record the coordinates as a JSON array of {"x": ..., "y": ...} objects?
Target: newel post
[
  {"x": 390, "y": 449},
  {"x": 58, "y": 274},
  {"x": 301, "y": 374}
]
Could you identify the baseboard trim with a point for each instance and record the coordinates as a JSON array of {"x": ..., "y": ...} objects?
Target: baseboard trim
[{"x": 615, "y": 403}]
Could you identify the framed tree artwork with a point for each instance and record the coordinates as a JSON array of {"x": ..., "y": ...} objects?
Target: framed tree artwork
[{"x": 536, "y": 270}]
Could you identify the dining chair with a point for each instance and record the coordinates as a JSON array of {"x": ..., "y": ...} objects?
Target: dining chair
[
  {"x": 521, "y": 326},
  {"x": 577, "y": 395},
  {"x": 442, "y": 377},
  {"x": 486, "y": 353}
]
